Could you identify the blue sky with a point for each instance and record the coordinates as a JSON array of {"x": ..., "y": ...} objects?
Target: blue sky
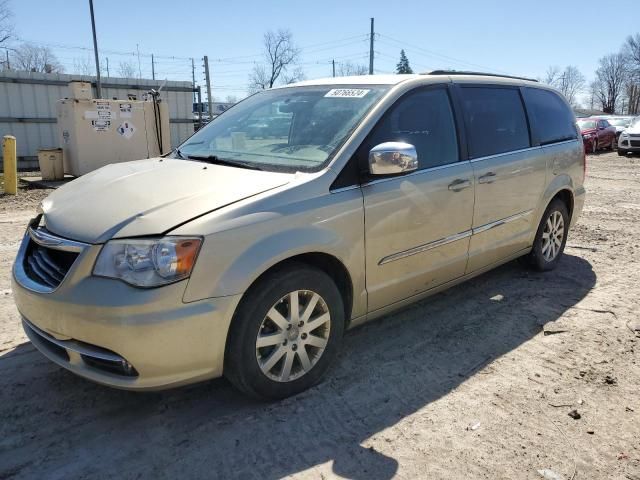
[{"x": 521, "y": 38}]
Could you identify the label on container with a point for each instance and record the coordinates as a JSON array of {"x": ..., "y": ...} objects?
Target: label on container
[
  {"x": 347, "y": 93},
  {"x": 126, "y": 130},
  {"x": 101, "y": 125},
  {"x": 125, "y": 110}
]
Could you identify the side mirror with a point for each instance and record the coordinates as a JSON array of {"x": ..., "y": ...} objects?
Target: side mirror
[{"x": 391, "y": 158}]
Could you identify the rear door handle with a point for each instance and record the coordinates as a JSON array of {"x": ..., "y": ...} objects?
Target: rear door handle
[
  {"x": 459, "y": 184},
  {"x": 488, "y": 177}
]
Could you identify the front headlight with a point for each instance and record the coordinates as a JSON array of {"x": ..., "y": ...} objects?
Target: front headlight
[
  {"x": 624, "y": 134},
  {"x": 148, "y": 262}
]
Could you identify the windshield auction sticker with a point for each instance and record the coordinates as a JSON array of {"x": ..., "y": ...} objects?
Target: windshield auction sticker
[{"x": 347, "y": 93}]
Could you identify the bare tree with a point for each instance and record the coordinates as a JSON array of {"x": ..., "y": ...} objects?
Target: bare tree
[
  {"x": 280, "y": 54},
  {"x": 551, "y": 76},
  {"x": 593, "y": 94},
  {"x": 611, "y": 76},
  {"x": 569, "y": 81},
  {"x": 346, "y": 69},
  {"x": 231, "y": 99},
  {"x": 6, "y": 25},
  {"x": 83, "y": 66},
  {"x": 631, "y": 51},
  {"x": 34, "y": 58},
  {"x": 296, "y": 75},
  {"x": 126, "y": 69}
]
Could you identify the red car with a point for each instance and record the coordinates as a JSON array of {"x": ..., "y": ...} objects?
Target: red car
[{"x": 597, "y": 133}]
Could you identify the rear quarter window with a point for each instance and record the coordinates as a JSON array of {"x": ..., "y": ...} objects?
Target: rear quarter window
[{"x": 551, "y": 118}]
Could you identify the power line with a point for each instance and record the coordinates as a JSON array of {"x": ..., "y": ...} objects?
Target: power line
[{"x": 425, "y": 52}]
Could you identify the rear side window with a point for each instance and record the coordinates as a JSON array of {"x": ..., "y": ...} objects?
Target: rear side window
[
  {"x": 424, "y": 119},
  {"x": 495, "y": 120},
  {"x": 552, "y": 119}
]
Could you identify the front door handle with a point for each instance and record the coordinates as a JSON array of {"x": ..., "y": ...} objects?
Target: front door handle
[
  {"x": 459, "y": 184},
  {"x": 488, "y": 177}
]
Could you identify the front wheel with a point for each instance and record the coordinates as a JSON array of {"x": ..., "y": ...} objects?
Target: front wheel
[
  {"x": 622, "y": 153},
  {"x": 551, "y": 238},
  {"x": 285, "y": 334},
  {"x": 594, "y": 146}
]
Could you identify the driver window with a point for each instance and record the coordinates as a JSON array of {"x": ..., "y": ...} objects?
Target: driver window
[{"x": 425, "y": 120}]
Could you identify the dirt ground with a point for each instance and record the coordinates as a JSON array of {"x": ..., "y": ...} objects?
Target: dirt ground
[{"x": 465, "y": 385}]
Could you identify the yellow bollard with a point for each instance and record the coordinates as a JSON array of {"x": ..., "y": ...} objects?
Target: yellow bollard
[{"x": 10, "y": 164}]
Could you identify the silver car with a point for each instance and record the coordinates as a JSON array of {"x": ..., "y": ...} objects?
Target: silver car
[{"x": 248, "y": 256}]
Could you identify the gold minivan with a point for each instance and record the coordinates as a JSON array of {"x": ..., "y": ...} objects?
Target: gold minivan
[{"x": 298, "y": 213}]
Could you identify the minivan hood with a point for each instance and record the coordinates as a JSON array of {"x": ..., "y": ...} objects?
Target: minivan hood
[{"x": 148, "y": 197}]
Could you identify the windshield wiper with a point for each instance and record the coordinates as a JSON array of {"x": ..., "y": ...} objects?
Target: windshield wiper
[
  {"x": 179, "y": 154},
  {"x": 223, "y": 161}
]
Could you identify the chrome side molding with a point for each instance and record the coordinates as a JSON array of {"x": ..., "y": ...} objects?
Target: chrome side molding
[{"x": 453, "y": 238}]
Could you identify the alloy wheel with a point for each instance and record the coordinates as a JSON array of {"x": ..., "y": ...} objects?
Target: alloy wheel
[
  {"x": 293, "y": 336},
  {"x": 552, "y": 236}
]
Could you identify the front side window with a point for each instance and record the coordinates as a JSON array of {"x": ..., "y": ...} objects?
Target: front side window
[
  {"x": 288, "y": 129},
  {"x": 495, "y": 120},
  {"x": 552, "y": 119},
  {"x": 425, "y": 120}
]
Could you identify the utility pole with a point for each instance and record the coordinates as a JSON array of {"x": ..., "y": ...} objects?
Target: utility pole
[
  {"x": 208, "y": 80},
  {"x": 371, "y": 49},
  {"x": 333, "y": 64},
  {"x": 107, "y": 58},
  {"x": 139, "y": 67},
  {"x": 193, "y": 78},
  {"x": 95, "y": 51},
  {"x": 8, "y": 65},
  {"x": 153, "y": 68}
]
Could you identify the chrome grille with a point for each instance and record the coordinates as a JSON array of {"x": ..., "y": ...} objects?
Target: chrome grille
[
  {"x": 47, "y": 266},
  {"x": 44, "y": 259}
]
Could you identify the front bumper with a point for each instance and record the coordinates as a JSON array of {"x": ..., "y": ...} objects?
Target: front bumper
[
  {"x": 162, "y": 341},
  {"x": 629, "y": 144}
]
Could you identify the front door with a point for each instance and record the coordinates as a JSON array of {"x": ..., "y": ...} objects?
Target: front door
[{"x": 417, "y": 225}]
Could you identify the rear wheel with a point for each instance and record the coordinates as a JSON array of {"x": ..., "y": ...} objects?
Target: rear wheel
[
  {"x": 613, "y": 144},
  {"x": 285, "y": 334},
  {"x": 551, "y": 237}
]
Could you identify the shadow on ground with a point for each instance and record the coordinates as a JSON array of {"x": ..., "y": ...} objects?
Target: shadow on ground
[{"x": 57, "y": 424}]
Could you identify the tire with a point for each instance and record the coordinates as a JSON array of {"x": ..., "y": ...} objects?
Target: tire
[
  {"x": 540, "y": 257},
  {"x": 622, "y": 153},
  {"x": 264, "y": 315},
  {"x": 594, "y": 147},
  {"x": 612, "y": 147}
]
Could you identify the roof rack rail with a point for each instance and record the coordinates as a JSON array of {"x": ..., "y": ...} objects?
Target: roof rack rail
[{"x": 485, "y": 74}]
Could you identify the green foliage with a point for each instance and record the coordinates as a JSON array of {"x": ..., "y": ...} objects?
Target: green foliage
[{"x": 403, "y": 65}]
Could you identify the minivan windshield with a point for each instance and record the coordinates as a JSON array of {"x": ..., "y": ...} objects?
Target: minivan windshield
[{"x": 287, "y": 129}]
